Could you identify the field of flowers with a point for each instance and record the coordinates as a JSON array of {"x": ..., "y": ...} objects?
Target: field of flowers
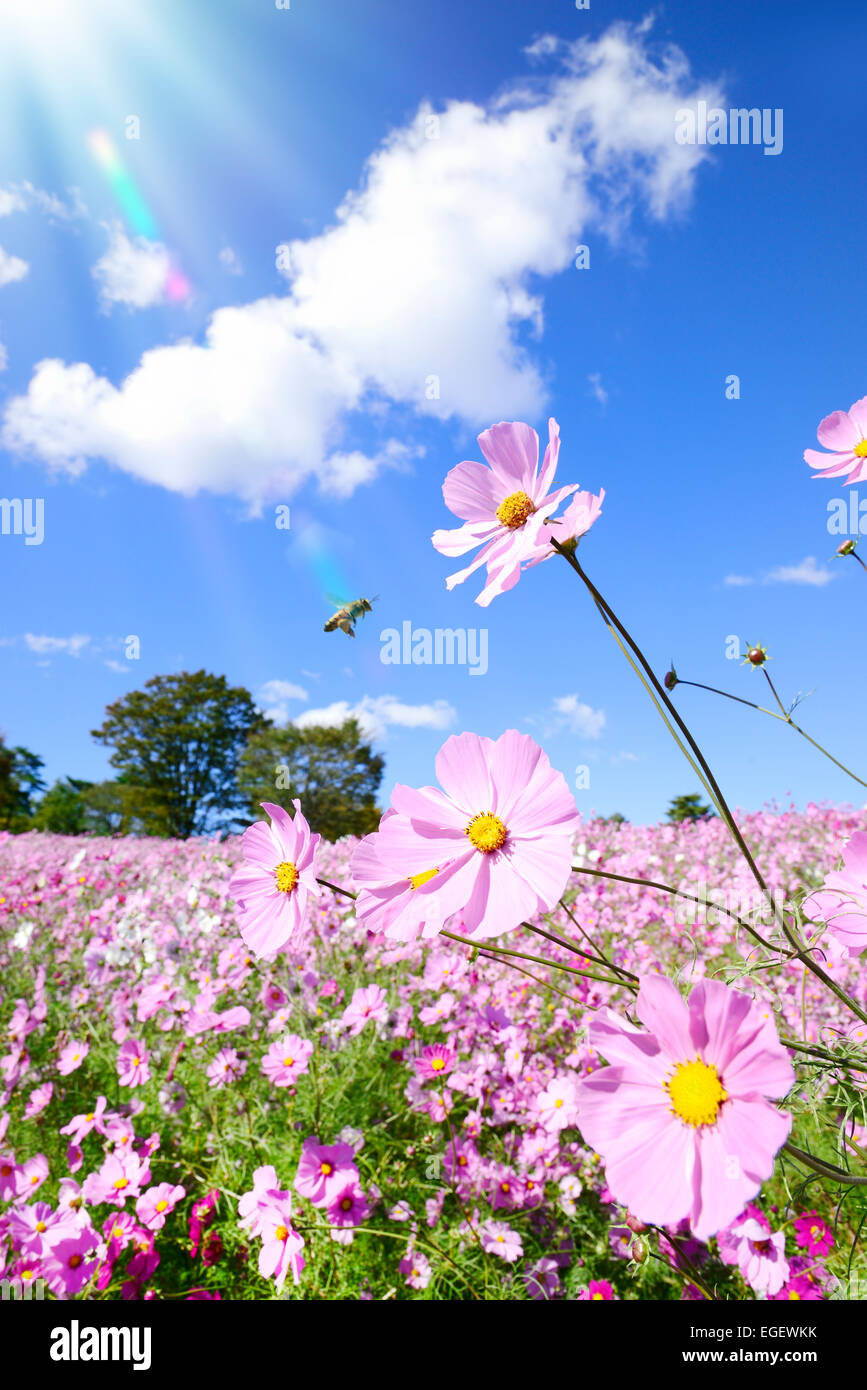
[{"x": 363, "y": 1117}]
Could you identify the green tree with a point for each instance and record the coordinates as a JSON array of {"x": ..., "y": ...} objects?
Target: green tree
[
  {"x": 690, "y": 807},
  {"x": 20, "y": 781},
  {"x": 176, "y": 746},
  {"x": 62, "y": 809},
  {"x": 333, "y": 772}
]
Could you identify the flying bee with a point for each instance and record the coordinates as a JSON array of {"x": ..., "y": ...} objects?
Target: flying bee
[{"x": 346, "y": 616}]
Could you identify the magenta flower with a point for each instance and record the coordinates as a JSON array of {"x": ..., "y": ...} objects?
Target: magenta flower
[
  {"x": 157, "y": 1203},
  {"x": 597, "y": 1291},
  {"x": 132, "y": 1064},
  {"x": 323, "y": 1169},
  {"x": 72, "y": 1057},
  {"x": 287, "y": 1059},
  {"x": 66, "y": 1266},
  {"x": 760, "y": 1255},
  {"x": 682, "y": 1119},
  {"x": 800, "y": 1287},
  {"x": 38, "y": 1099},
  {"x": 845, "y": 434},
  {"x": 80, "y": 1125},
  {"x": 416, "y": 1269},
  {"x": 226, "y": 1067},
  {"x": 281, "y": 1244},
  {"x": 122, "y": 1175},
  {"x": 435, "y": 1062},
  {"x": 542, "y": 1280},
  {"x": 494, "y": 846},
  {"x": 504, "y": 507},
  {"x": 368, "y": 1004},
  {"x": 813, "y": 1234},
  {"x": 271, "y": 889},
  {"x": 499, "y": 1239},
  {"x": 584, "y": 509},
  {"x": 347, "y": 1207},
  {"x": 841, "y": 902},
  {"x": 557, "y": 1105}
]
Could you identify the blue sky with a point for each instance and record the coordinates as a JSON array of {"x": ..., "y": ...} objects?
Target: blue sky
[{"x": 164, "y": 393}]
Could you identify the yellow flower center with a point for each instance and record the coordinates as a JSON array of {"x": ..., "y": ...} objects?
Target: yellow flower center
[
  {"x": 416, "y": 880},
  {"x": 41, "y": 1226},
  {"x": 486, "y": 832},
  {"x": 287, "y": 877},
  {"x": 161, "y": 1206},
  {"x": 281, "y": 1233},
  {"x": 325, "y": 1169},
  {"x": 437, "y": 1064},
  {"x": 288, "y": 1061},
  {"x": 346, "y": 1204},
  {"x": 597, "y": 1298},
  {"x": 860, "y": 450},
  {"x": 74, "y": 1261},
  {"x": 120, "y": 1184},
  {"x": 514, "y": 510},
  {"x": 89, "y": 1117},
  {"x": 696, "y": 1092}
]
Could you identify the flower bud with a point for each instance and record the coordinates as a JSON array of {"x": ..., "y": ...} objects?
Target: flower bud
[
  {"x": 756, "y": 656},
  {"x": 670, "y": 679},
  {"x": 638, "y": 1251},
  {"x": 635, "y": 1225},
  {"x": 847, "y": 548}
]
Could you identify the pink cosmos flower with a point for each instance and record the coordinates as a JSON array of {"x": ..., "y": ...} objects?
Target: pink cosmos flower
[
  {"x": 416, "y": 1268},
  {"x": 494, "y": 846},
  {"x": 157, "y": 1203},
  {"x": 38, "y": 1099},
  {"x": 368, "y": 1004},
  {"x": 271, "y": 889},
  {"x": 122, "y": 1175},
  {"x": 80, "y": 1125},
  {"x": 499, "y": 1239},
  {"x": 845, "y": 434},
  {"x": 682, "y": 1119},
  {"x": 557, "y": 1105},
  {"x": 759, "y": 1254},
  {"x": 66, "y": 1267},
  {"x": 226, "y": 1066},
  {"x": 813, "y": 1234},
  {"x": 800, "y": 1287},
  {"x": 31, "y": 1175},
  {"x": 435, "y": 1062},
  {"x": 281, "y": 1244},
  {"x": 8, "y": 1177},
  {"x": 841, "y": 902},
  {"x": 504, "y": 506},
  {"x": 323, "y": 1169},
  {"x": 287, "y": 1059},
  {"x": 251, "y": 1204},
  {"x": 347, "y": 1207},
  {"x": 132, "y": 1064},
  {"x": 584, "y": 509},
  {"x": 597, "y": 1291},
  {"x": 72, "y": 1057}
]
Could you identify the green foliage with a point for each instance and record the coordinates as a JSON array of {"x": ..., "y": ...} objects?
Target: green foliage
[
  {"x": 62, "y": 808},
  {"x": 691, "y": 807},
  {"x": 20, "y": 780},
  {"x": 176, "y": 744},
  {"x": 333, "y": 771}
]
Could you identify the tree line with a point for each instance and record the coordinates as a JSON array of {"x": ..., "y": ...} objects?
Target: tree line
[{"x": 195, "y": 756}]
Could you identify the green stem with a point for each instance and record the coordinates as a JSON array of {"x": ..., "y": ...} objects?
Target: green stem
[{"x": 827, "y": 1170}]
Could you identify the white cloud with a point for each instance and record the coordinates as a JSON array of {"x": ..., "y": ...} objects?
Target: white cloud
[
  {"x": 11, "y": 268},
  {"x": 274, "y": 696},
  {"x": 230, "y": 261},
  {"x": 807, "y": 572},
  {"x": 376, "y": 713},
  {"x": 72, "y": 646},
  {"x": 737, "y": 581},
  {"x": 579, "y": 718},
  {"x": 117, "y": 666},
  {"x": 23, "y": 197},
  {"x": 595, "y": 379},
  {"x": 4, "y": 357},
  {"x": 424, "y": 275},
  {"x": 132, "y": 272}
]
